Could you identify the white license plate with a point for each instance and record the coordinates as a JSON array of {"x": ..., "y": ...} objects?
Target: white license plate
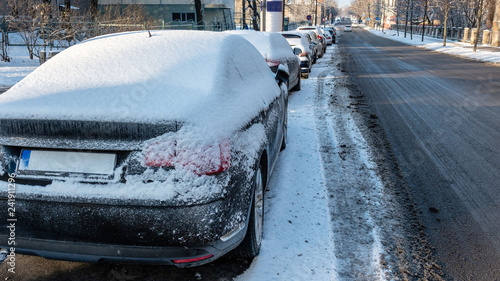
[{"x": 48, "y": 161}]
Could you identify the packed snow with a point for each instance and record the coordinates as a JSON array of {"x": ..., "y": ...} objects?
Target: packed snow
[{"x": 455, "y": 48}]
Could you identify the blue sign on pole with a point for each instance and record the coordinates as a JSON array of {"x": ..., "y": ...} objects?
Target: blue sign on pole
[
  {"x": 377, "y": 18},
  {"x": 308, "y": 17}
]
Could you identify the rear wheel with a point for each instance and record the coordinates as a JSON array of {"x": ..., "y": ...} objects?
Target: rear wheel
[
  {"x": 250, "y": 246},
  {"x": 285, "y": 129}
]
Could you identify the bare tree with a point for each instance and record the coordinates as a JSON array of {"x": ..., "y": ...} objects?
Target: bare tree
[{"x": 30, "y": 20}]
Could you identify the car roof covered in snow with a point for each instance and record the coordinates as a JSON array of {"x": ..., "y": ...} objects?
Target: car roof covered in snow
[
  {"x": 271, "y": 45},
  {"x": 190, "y": 76}
]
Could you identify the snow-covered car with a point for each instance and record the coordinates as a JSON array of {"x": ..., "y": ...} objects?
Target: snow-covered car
[
  {"x": 315, "y": 42},
  {"x": 332, "y": 31},
  {"x": 275, "y": 50},
  {"x": 117, "y": 150},
  {"x": 319, "y": 33},
  {"x": 300, "y": 40},
  {"x": 328, "y": 37},
  {"x": 347, "y": 28}
]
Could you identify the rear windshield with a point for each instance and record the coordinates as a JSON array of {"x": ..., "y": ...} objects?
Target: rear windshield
[{"x": 290, "y": 36}]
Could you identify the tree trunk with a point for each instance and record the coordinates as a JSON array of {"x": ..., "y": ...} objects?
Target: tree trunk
[
  {"x": 479, "y": 16},
  {"x": 93, "y": 9},
  {"x": 199, "y": 14},
  {"x": 445, "y": 22}
]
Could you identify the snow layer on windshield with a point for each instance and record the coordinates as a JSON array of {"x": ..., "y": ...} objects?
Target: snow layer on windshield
[
  {"x": 213, "y": 80},
  {"x": 271, "y": 45}
]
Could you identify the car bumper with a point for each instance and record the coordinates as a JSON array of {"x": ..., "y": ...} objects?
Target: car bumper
[
  {"x": 304, "y": 66},
  {"x": 151, "y": 234},
  {"x": 186, "y": 256}
]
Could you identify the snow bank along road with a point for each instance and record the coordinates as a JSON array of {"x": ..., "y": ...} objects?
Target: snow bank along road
[{"x": 441, "y": 117}]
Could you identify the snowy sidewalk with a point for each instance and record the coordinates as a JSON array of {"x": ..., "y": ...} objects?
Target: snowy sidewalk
[{"x": 484, "y": 53}]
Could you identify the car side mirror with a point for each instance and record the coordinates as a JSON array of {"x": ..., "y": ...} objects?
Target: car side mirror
[
  {"x": 297, "y": 51},
  {"x": 282, "y": 74}
]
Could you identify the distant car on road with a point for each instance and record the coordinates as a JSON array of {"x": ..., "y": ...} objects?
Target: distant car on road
[
  {"x": 142, "y": 155},
  {"x": 347, "y": 28}
]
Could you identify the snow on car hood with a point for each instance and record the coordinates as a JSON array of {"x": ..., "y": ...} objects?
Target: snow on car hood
[{"x": 210, "y": 80}]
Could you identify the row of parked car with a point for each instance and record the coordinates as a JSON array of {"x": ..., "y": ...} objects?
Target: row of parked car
[
  {"x": 122, "y": 152},
  {"x": 312, "y": 41},
  {"x": 308, "y": 43}
]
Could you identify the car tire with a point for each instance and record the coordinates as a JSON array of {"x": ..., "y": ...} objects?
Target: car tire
[
  {"x": 285, "y": 131},
  {"x": 297, "y": 87},
  {"x": 250, "y": 246}
]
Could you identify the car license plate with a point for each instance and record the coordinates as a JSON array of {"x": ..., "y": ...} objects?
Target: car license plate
[{"x": 57, "y": 162}]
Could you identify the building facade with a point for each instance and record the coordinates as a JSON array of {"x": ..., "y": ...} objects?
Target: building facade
[{"x": 216, "y": 14}]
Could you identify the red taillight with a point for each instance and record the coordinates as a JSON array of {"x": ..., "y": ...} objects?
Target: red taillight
[
  {"x": 202, "y": 160},
  {"x": 303, "y": 55},
  {"x": 319, "y": 36},
  {"x": 193, "y": 259},
  {"x": 272, "y": 63}
]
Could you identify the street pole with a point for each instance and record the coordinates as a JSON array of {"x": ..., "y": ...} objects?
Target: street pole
[
  {"x": 243, "y": 16},
  {"x": 411, "y": 21},
  {"x": 263, "y": 16},
  {"x": 383, "y": 15},
  {"x": 406, "y": 18},
  {"x": 316, "y": 13}
]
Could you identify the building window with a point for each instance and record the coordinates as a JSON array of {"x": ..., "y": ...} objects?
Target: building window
[{"x": 183, "y": 17}]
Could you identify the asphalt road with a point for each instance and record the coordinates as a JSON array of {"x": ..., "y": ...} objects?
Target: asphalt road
[{"x": 441, "y": 116}]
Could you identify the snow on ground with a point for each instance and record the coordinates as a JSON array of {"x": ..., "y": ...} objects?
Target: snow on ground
[
  {"x": 20, "y": 66},
  {"x": 297, "y": 243},
  {"x": 452, "y": 47},
  {"x": 302, "y": 240}
]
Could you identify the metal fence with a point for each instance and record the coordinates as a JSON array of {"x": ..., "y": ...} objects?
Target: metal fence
[{"x": 452, "y": 33}]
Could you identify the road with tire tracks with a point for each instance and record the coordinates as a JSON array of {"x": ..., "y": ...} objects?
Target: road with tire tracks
[{"x": 441, "y": 117}]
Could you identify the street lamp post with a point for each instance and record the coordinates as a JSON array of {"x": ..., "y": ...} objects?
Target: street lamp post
[{"x": 316, "y": 13}]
